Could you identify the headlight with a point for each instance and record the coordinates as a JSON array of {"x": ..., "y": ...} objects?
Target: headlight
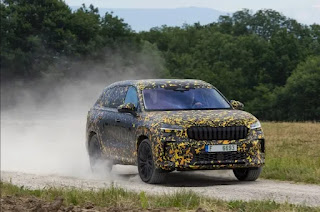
[{"x": 255, "y": 125}]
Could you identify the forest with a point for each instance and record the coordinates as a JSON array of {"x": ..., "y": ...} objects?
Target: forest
[{"x": 266, "y": 60}]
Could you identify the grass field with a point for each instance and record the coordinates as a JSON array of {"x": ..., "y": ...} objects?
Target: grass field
[
  {"x": 292, "y": 152},
  {"x": 122, "y": 199}
]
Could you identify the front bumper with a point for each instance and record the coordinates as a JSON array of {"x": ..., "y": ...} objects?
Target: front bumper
[{"x": 188, "y": 154}]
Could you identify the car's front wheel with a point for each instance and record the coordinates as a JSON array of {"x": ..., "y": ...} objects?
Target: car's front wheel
[
  {"x": 95, "y": 156},
  {"x": 146, "y": 167},
  {"x": 247, "y": 174}
]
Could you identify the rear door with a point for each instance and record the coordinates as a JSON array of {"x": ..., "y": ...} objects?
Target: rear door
[
  {"x": 102, "y": 119},
  {"x": 107, "y": 118}
]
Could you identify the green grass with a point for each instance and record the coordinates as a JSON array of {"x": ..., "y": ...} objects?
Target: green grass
[
  {"x": 292, "y": 152},
  {"x": 118, "y": 197}
]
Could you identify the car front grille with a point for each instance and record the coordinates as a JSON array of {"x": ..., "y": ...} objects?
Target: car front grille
[
  {"x": 217, "y": 133},
  {"x": 219, "y": 158}
]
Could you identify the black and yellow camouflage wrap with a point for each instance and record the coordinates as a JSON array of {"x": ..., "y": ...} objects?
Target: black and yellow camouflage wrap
[{"x": 168, "y": 132}]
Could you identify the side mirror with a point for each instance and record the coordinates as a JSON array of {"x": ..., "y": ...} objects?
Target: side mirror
[
  {"x": 127, "y": 108},
  {"x": 237, "y": 105}
]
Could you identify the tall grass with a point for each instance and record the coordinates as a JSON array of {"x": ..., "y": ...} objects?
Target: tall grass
[{"x": 292, "y": 151}]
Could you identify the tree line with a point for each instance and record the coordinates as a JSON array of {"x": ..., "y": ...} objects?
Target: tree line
[{"x": 264, "y": 59}]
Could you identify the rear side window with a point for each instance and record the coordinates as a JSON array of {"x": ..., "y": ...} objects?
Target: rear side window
[{"x": 132, "y": 96}]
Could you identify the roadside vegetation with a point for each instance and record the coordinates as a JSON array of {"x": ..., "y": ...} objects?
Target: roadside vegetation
[
  {"x": 118, "y": 198},
  {"x": 292, "y": 151}
]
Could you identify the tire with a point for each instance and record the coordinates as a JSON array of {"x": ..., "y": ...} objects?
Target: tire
[
  {"x": 146, "y": 167},
  {"x": 95, "y": 156},
  {"x": 247, "y": 174}
]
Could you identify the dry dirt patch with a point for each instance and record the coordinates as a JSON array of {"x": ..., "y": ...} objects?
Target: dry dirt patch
[{"x": 12, "y": 203}]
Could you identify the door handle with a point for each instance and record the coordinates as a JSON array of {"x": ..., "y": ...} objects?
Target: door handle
[{"x": 117, "y": 120}]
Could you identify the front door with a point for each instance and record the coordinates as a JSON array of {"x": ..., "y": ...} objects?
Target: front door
[{"x": 126, "y": 125}]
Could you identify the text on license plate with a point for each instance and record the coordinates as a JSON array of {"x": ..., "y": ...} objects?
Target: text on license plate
[{"x": 221, "y": 148}]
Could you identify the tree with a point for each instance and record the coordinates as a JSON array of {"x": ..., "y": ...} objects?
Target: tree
[
  {"x": 251, "y": 57},
  {"x": 31, "y": 34},
  {"x": 37, "y": 34},
  {"x": 299, "y": 99}
]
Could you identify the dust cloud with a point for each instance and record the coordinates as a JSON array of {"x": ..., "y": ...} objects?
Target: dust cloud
[{"x": 43, "y": 125}]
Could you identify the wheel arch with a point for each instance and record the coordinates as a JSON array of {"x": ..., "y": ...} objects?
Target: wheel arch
[
  {"x": 139, "y": 140},
  {"x": 89, "y": 136}
]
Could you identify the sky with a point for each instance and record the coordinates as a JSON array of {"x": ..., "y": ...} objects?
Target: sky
[
  {"x": 226, "y": 5},
  {"x": 306, "y": 11}
]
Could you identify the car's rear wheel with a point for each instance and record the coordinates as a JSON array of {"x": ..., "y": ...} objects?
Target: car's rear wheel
[
  {"x": 247, "y": 174},
  {"x": 146, "y": 167},
  {"x": 95, "y": 156}
]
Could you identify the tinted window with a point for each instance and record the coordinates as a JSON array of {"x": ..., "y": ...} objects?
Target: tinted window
[
  {"x": 132, "y": 96},
  {"x": 185, "y": 99}
]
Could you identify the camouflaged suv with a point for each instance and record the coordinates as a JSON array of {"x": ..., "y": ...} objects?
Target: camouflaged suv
[{"x": 167, "y": 125}]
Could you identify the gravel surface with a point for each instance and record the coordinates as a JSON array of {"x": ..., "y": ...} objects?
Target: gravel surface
[{"x": 215, "y": 184}]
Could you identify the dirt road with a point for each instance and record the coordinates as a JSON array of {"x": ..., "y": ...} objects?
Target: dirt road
[{"x": 221, "y": 185}]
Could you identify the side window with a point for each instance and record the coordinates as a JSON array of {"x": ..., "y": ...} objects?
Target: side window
[
  {"x": 116, "y": 97},
  {"x": 132, "y": 96}
]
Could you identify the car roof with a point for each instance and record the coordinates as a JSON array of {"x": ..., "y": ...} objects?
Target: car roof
[{"x": 151, "y": 83}]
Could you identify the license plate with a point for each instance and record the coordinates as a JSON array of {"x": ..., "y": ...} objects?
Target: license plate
[{"x": 221, "y": 148}]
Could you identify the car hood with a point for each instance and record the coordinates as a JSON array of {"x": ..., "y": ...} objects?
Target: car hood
[{"x": 214, "y": 118}]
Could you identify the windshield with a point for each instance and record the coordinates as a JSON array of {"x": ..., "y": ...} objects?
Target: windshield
[{"x": 183, "y": 99}]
